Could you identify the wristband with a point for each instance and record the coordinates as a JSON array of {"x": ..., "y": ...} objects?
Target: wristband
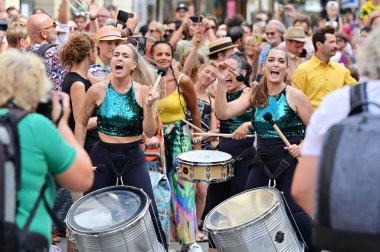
[
  {"x": 129, "y": 31},
  {"x": 93, "y": 18}
]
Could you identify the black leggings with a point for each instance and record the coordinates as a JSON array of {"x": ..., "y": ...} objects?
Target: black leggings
[
  {"x": 136, "y": 173},
  {"x": 219, "y": 192}
]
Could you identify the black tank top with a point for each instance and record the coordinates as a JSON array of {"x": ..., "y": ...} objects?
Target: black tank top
[{"x": 70, "y": 78}]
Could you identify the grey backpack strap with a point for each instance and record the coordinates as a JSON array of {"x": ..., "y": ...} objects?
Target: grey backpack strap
[
  {"x": 358, "y": 99},
  {"x": 43, "y": 48}
]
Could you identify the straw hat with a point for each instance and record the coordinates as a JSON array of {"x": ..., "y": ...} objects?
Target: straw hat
[
  {"x": 220, "y": 45},
  {"x": 296, "y": 34},
  {"x": 109, "y": 33}
]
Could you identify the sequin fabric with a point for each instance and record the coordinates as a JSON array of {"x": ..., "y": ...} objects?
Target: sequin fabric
[
  {"x": 283, "y": 116},
  {"x": 119, "y": 114},
  {"x": 230, "y": 125}
]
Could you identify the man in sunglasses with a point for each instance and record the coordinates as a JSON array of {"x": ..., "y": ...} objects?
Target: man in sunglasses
[{"x": 46, "y": 43}]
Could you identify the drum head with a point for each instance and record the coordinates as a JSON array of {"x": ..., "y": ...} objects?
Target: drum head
[
  {"x": 241, "y": 209},
  {"x": 106, "y": 209},
  {"x": 204, "y": 156}
]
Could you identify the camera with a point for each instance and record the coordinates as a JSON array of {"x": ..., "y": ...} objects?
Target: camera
[
  {"x": 196, "y": 19},
  {"x": 303, "y": 53},
  {"x": 122, "y": 18},
  {"x": 45, "y": 108},
  {"x": 3, "y": 25}
]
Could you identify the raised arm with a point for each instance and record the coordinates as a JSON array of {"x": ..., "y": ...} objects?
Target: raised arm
[
  {"x": 86, "y": 111},
  {"x": 191, "y": 59},
  {"x": 178, "y": 33},
  {"x": 224, "y": 110},
  {"x": 92, "y": 14},
  {"x": 150, "y": 111},
  {"x": 64, "y": 12}
]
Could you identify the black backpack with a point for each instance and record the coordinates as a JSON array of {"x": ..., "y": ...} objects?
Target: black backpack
[
  {"x": 43, "y": 48},
  {"x": 347, "y": 213},
  {"x": 12, "y": 239}
]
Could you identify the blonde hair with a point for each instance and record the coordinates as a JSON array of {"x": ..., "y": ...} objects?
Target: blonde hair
[
  {"x": 14, "y": 33},
  {"x": 159, "y": 27},
  {"x": 24, "y": 80},
  {"x": 368, "y": 56},
  {"x": 142, "y": 74}
]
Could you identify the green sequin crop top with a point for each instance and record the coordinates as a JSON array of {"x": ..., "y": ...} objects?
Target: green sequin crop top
[
  {"x": 119, "y": 114},
  {"x": 283, "y": 115},
  {"x": 230, "y": 125}
]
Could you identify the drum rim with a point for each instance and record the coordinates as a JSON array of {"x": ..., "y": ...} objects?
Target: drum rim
[
  {"x": 229, "y": 160},
  {"x": 197, "y": 163},
  {"x": 237, "y": 227},
  {"x": 140, "y": 213}
]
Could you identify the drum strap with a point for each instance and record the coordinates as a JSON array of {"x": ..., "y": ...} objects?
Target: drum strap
[
  {"x": 119, "y": 175},
  {"x": 245, "y": 153},
  {"x": 281, "y": 168}
]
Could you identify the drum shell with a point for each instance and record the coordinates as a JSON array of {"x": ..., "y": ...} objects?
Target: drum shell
[
  {"x": 135, "y": 235},
  {"x": 270, "y": 232},
  {"x": 203, "y": 171}
]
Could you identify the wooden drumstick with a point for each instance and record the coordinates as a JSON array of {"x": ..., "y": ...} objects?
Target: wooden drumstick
[
  {"x": 161, "y": 72},
  {"x": 268, "y": 117},
  {"x": 210, "y": 134},
  {"x": 193, "y": 126}
]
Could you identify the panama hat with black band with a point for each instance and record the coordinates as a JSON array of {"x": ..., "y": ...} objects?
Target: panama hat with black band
[{"x": 220, "y": 45}]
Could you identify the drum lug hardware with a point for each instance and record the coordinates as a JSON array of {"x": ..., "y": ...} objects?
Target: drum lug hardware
[
  {"x": 223, "y": 175},
  {"x": 208, "y": 176},
  {"x": 208, "y": 168},
  {"x": 191, "y": 168},
  {"x": 191, "y": 175},
  {"x": 279, "y": 237}
]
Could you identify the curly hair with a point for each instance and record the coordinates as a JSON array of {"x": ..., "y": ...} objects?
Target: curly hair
[
  {"x": 25, "y": 82},
  {"x": 77, "y": 48}
]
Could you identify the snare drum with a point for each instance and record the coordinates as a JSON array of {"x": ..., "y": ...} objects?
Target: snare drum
[
  {"x": 205, "y": 166},
  {"x": 113, "y": 219},
  {"x": 254, "y": 220}
]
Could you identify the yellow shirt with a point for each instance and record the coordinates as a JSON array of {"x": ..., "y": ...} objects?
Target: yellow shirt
[
  {"x": 316, "y": 80},
  {"x": 172, "y": 107},
  {"x": 367, "y": 9}
]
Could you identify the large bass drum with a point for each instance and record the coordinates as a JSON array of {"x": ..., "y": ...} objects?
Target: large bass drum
[
  {"x": 254, "y": 220},
  {"x": 113, "y": 219}
]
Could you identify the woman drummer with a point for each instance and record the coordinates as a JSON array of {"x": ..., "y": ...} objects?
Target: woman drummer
[
  {"x": 123, "y": 116},
  {"x": 177, "y": 95},
  {"x": 290, "y": 110},
  {"x": 242, "y": 150}
]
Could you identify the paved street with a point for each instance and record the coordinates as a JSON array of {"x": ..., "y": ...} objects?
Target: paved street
[{"x": 173, "y": 246}]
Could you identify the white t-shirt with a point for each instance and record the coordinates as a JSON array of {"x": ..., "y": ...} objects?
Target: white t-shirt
[{"x": 334, "y": 108}]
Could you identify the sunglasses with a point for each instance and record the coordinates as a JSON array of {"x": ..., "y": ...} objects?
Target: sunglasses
[
  {"x": 169, "y": 31},
  {"x": 54, "y": 25},
  {"x": 151, "y": 31}
]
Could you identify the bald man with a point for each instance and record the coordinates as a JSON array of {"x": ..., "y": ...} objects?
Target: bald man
[{"x": 42, "y": 30}]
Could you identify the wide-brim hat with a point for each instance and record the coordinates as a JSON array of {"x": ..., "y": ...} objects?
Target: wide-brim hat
[
  {"x": 296, "y": 34},
  {"x": 107, "y": 33},
  {"x": 220, "y": 45}
]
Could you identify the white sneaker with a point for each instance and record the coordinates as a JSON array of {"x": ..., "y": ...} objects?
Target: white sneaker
[{"x": 194, "y": 247}]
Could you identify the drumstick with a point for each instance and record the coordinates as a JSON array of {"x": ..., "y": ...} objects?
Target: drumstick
[
  {"x": 161, "y": 72},
  {"x": 210, "y": 134},
  {"x": 268, "y": 117},
  {"x": 192, "y": 125}
]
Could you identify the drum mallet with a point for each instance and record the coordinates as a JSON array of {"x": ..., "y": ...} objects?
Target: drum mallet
[
  {"x": 161, "y": 72},
  {"x": 268, "y": 117}
]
